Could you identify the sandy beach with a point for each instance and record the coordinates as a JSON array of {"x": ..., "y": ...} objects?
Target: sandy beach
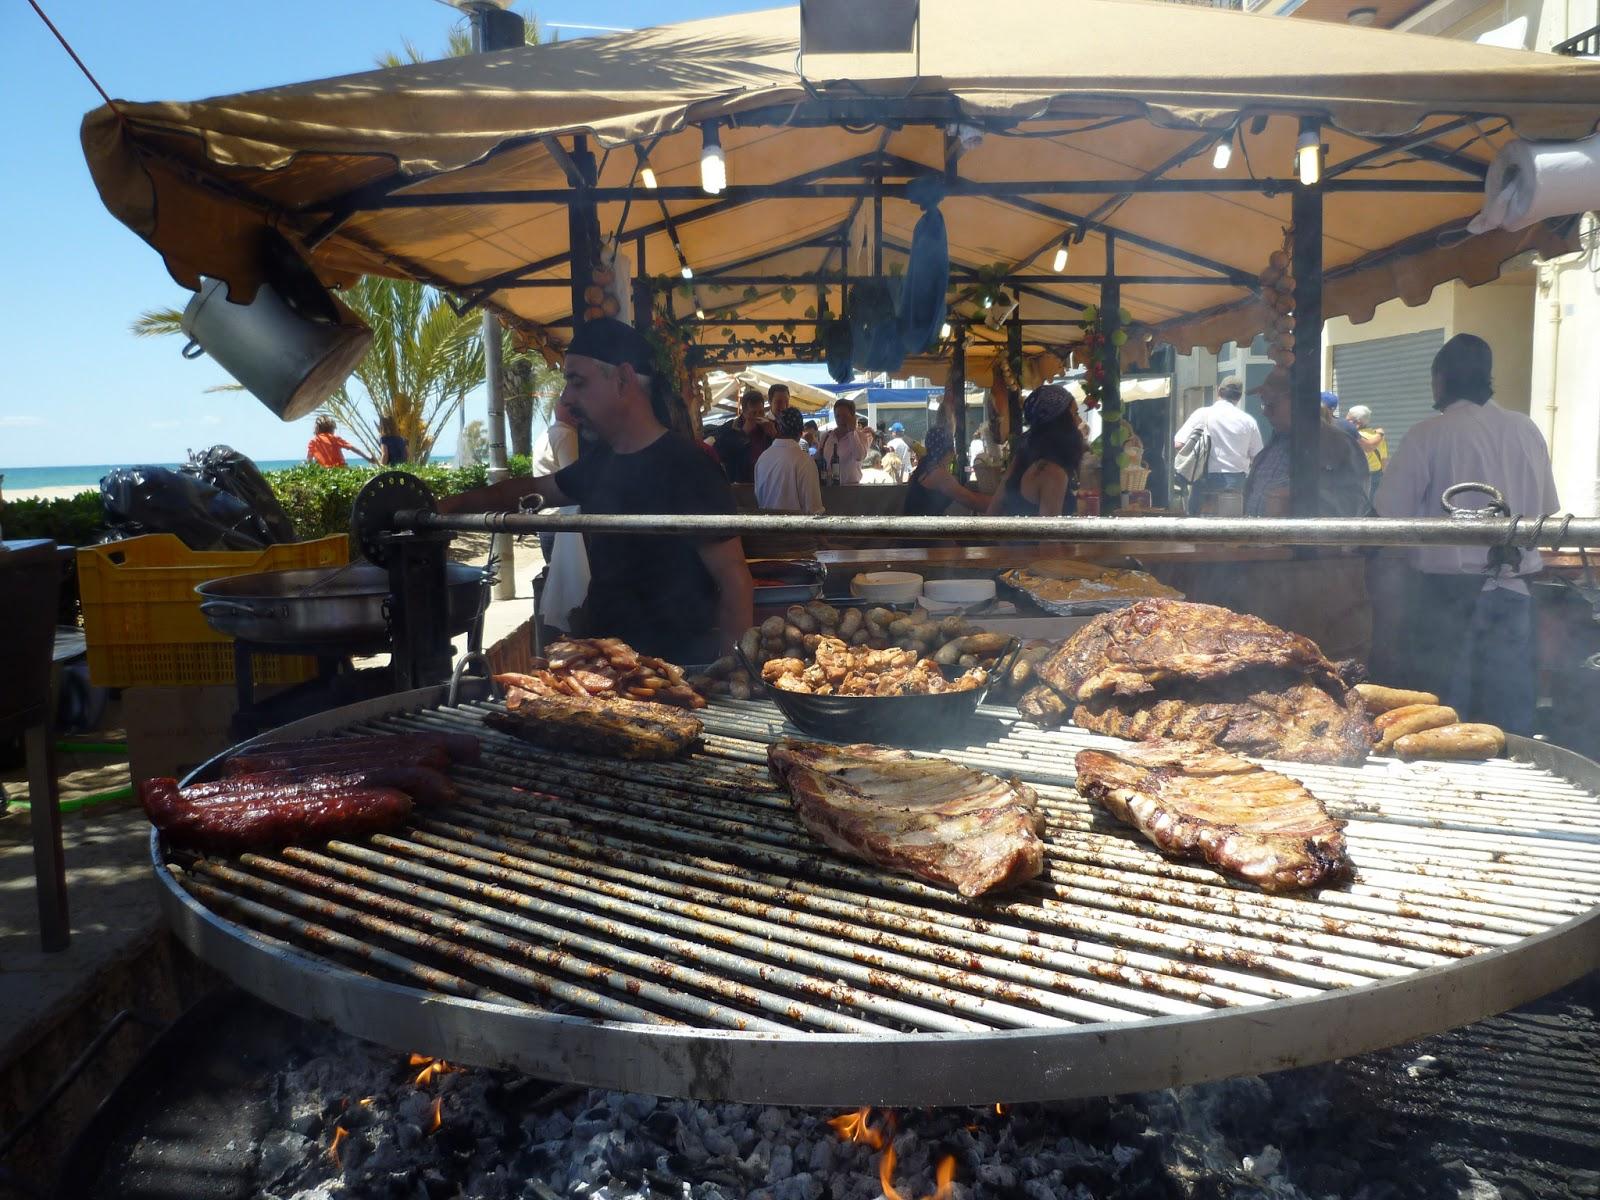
[{"x": 44, "y": 493}]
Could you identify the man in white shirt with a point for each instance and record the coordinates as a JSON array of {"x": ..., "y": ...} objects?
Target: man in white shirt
[
  {"x": 786, "y": 478},
  {"x": 842, "y": 446},
  {"x": 901, "y": 449},
  {"x": 1235, "y": 442},
  {"x": 1470, "y": 627}
]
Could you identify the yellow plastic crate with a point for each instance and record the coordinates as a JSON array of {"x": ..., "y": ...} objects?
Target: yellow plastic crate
[{"x": 142, "y": 619}]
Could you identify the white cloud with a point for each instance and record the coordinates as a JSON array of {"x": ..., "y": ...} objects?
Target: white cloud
[
  {"x": 166, "y": 424},
  {"x": 211, "y": 420},
  {"x": 21, "y": 422}
]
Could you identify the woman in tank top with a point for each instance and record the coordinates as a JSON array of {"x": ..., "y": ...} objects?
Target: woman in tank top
[
  {"x": 932, "y": 489},
  {"x": 1043, "y": 480}
]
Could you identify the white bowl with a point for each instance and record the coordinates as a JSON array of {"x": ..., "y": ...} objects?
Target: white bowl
[
  {"x": 887, "y": 587},
  {"x": 959, "y": 591}
]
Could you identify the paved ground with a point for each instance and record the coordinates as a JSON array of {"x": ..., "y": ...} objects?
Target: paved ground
[{"x": 110, "y": 894}]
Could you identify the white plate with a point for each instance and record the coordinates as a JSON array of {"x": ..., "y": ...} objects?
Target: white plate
[
  {"x": 959, "y": 591},
  {"x": 887, "y": 587}
]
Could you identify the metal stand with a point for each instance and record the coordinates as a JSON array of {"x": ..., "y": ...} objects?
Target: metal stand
[{"x": 418, "y": 626}]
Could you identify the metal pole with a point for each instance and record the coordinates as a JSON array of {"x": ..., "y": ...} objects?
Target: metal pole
[
  {"x": 1550, "y": 533},
  {"x": 1305, "y": 429},
  {"x": 503, "y": 548},
  {"x": 1014, "y": 378},
  {"x": 1111, "y": 384},
  {"x": 958, "y": 384}
]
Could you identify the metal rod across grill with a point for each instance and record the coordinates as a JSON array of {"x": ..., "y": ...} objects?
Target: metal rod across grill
[{"x": 671, "y": 928}]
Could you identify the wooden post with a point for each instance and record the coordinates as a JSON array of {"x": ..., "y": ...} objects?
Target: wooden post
[
  {"x": 582, "y": 220},
  {"x": 958, "y": 385},
  {"x": 1014, "y": 381},
  {"x": 1111, "y": 431},
  {"x": 1305, "y": 429}
]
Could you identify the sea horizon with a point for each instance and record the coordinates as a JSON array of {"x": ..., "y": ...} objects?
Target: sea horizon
[{"x": 88, "y": 475}]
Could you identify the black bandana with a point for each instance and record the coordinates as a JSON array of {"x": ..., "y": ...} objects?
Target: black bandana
[{"x": 609, "y": 340}]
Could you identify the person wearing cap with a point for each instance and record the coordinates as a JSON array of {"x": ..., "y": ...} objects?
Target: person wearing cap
[
  {"x": 1043, "y": 477},
  {"x": 932, "y": 488},
  {"x": 1342, "y": 477},
  {"x": 901, "y": 449},
  {"x": 1469, "y": 624},
  {"x": 786, "y": 478},
  {"x": 1330, "y": 401},
  {"x": 1235, "y": 442},
  {"x": 684, "y": 597}
]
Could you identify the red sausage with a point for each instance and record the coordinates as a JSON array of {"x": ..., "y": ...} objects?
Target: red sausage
[{"x": 267, "y": 818}]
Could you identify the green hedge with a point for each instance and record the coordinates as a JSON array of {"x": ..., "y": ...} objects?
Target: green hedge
[{"x": 317, "y": 500}]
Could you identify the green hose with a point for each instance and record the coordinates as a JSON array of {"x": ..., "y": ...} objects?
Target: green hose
[{"x": 88, "y": 801}]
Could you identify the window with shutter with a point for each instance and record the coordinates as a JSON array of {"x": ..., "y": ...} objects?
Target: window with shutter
[{"x": 1392, "y": 376}]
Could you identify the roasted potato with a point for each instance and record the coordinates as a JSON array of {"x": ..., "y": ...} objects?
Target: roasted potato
[
  {"x": 860, "y": 638},
  {"x": 801, "y": 619},
  {"x": 954, "y": 627},
  {"x": 723, "y": 667},
  {"x": 772, "y": 627},
  {"x": 881, "y": 616},
  {"x": 968, "y": 661},
  {"x": 825, "y": 615},
  {"x": 983, "y": 643},
  {"x": 739, "y": 687},
  {"x": 849, "y": 623},
  {"x": 750, "y": 642},
  {"x": 794, "y": 635}
]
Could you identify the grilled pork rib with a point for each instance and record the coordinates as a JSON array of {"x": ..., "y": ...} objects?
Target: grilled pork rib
[
  {"x": 1195, "y": 672},
  {"x": 926, "y": 817},
  {"x": 1195, "y": 801},
  {"x": 1135, "y": 649},
  {"x": 619, "y": 728}
]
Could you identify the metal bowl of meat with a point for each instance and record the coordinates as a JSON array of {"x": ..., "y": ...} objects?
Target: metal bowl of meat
[{"x": 906, "y": 720}]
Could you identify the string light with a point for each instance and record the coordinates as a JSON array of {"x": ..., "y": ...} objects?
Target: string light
[
  {"x": 944, "y": 330},
  {"x": 1223, "y": 155},
  {"x": 688, "y": 271},
  {"x": 713, "y": 167},
  {"x": 1060, "y": 263},
  {"x": 1308, "y": 153},
  {"x": 648, "y": 178}
]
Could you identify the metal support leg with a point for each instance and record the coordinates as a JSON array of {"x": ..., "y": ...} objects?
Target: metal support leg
[
  {"x": 49, "y": 866},
  {"x": 418, "y": 609}
]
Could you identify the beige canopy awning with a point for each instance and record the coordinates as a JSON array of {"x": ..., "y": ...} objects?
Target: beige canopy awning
[
  {"x": 725, "y": 389},
  {"x": 1090, "y": 116}
]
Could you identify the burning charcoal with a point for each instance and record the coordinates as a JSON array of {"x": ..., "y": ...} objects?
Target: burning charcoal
[
  {"x": 799, "y": 1187},
  {"x": 662, "y": 1124},
  {"x": 281, "y": 1151},
  {"x": 781, "y": 1165},
  {"x": 1426, "y": 1066},
  {"x": 720, "y": 1144},
  {"x": 553, "y": 1128},
  {"x": 772, "y": 1120}
]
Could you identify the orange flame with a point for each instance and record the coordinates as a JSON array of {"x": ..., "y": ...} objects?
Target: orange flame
[
  {"x": 857, "y": 1127},
  {"x": 339, "y": 1136},
  {"x": 999, "y": 1110},
  {"x": 432, "y": 1068},
  {"x": 437, "y": 1119}
]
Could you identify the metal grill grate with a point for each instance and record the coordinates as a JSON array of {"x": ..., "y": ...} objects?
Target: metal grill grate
[{"x": 685, "y": 897}]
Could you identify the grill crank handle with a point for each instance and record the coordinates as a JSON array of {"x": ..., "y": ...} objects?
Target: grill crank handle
[{"x": 452, "y": 699}]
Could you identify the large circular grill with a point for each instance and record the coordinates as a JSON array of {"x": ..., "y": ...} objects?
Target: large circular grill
[{"x": 670, "y": 928}]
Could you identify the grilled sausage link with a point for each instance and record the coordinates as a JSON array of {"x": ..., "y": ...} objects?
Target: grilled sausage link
[
  {"x": 1413, "y": 718},
  {"x": 1386, "y": 699},
  {"x": 267, "y": 818},
  {"x": 1453, "y": 741},
  {"x": 425, "y": 785},
  {"x": 417, "y": 749}
]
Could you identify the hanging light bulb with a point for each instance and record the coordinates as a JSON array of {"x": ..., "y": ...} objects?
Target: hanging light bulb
[
  {"x": 713, "y": 167},
  {"x": 1308, "y": 153},
  {"x": 700, "y": 312},
  {"x": 688, "y": 272},
  {"x": 1223, "y": 155},
  {"x": 648, "y": 178},
  {"x": 988, "y": 301},
  {"x": 944, "y": 331},
  {"x": 1060, "y": 263}
]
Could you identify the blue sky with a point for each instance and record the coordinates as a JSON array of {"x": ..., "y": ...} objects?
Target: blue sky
[{"x": 80, "y": 388}]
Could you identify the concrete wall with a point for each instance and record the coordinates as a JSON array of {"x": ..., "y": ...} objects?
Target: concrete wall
[
  {"x": 1565, "y": 373},
  {"x": 1501, "y": 313}
]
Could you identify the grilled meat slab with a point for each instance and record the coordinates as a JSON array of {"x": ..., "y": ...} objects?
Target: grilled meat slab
[
  {"x": 1270, "y": 714},
  {"x": 614, "y": 727},
  {"x": 926, "y": 817},
  {"x": 1135, "y": 649},
  {"x": 239, "y": 815},
  {"x": 1195, "y": 801}
]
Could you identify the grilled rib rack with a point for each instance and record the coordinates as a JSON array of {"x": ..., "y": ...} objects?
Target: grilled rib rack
[{"x": 670, "y": 928}]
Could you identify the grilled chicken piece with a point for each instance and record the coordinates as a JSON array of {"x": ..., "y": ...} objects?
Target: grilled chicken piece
[
  {"x": 1270, "y": 714},
  {"x": 592, "y": 725},
  {"x": 1135, "y": 649},
  {"x": 926, "y": 817},
  {"x": 1195, "y": 801},
  {"x": 1043, "y": 707}
]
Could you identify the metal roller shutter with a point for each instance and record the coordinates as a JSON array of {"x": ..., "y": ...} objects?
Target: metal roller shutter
[{"x": 1391, "y": 376}]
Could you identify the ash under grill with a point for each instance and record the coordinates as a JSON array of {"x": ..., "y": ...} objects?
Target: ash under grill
[{"x": 670, "y": 927}]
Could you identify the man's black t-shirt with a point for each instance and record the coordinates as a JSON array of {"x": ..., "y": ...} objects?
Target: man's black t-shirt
[{"x": 650, "y": 590}]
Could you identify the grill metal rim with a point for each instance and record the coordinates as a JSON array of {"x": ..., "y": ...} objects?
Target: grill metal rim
[{"x": 888, "y": 1068}]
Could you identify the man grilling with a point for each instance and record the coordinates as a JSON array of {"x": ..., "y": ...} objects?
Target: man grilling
[{"x": 682, "y": 597}]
